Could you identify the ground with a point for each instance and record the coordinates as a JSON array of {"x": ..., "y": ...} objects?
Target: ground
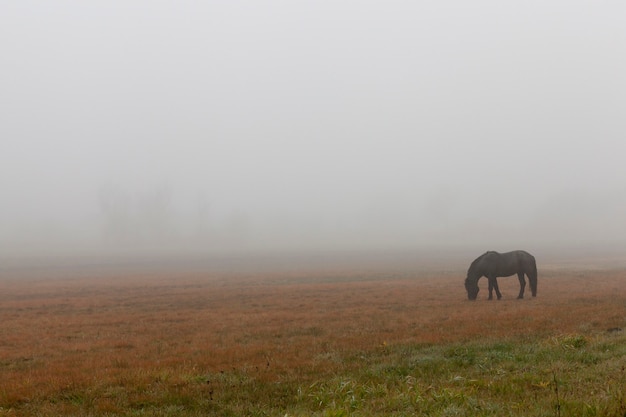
[{"x": 308, "y": 338}]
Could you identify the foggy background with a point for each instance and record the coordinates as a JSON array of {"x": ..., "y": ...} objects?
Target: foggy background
[{"x": 252, "y": 126}]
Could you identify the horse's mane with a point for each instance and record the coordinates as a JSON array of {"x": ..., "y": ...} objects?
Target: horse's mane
[{"x": 477, "y": 260}]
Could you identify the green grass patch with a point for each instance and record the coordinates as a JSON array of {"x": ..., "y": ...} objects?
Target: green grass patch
[{"x": 581, "y": 375}]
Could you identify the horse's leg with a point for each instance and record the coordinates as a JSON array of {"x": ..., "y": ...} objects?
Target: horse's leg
[
  {"x": 522, "y": 285},
  {"x": 532, "y": 280},
  {"x": 495, "y": 287}
]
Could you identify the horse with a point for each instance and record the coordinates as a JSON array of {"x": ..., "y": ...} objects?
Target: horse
[{"x": 493, "y": 265}]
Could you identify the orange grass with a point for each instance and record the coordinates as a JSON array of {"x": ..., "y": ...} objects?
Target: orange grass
[{"x": 114, "y": 339}]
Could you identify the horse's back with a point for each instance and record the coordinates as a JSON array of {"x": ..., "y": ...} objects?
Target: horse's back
[
  {"x": 505, "y": 264},
  {"x": 524, "y": 256},
  {"x": 526, "y": 262},
  {"x": 515, "y": 254}
]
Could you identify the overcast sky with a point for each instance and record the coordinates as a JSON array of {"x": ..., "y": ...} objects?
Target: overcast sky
[{"x": 311, "y": 124}]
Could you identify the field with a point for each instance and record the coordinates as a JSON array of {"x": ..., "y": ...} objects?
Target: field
[{"x": 318, "y": 338}]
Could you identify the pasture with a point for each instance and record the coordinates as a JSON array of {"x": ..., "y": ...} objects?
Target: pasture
[{"x": 315, "y": 339}]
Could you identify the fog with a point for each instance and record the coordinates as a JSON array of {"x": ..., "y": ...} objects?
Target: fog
[{"x": 251, "y": 126}]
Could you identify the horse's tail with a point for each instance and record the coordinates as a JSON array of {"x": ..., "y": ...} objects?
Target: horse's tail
[{"x": 532, "y": 277}]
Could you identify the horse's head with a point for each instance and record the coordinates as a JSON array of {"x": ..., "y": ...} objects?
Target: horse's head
[{"x": 472, "y": 288}]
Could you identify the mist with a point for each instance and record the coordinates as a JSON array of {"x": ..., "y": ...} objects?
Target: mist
[{"x": 259, "y": 126}]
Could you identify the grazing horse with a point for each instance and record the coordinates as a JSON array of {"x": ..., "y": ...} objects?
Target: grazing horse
[{"x": 493, "y": 265}]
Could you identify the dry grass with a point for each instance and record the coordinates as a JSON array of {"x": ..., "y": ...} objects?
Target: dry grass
[{"x": 105, "y": 343}]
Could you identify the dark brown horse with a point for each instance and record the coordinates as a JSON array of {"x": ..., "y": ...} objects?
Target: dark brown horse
[{"x": 493, "y": 265}]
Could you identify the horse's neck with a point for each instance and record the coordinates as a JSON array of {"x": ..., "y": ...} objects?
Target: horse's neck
[{"x": 473, "y": 276}]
